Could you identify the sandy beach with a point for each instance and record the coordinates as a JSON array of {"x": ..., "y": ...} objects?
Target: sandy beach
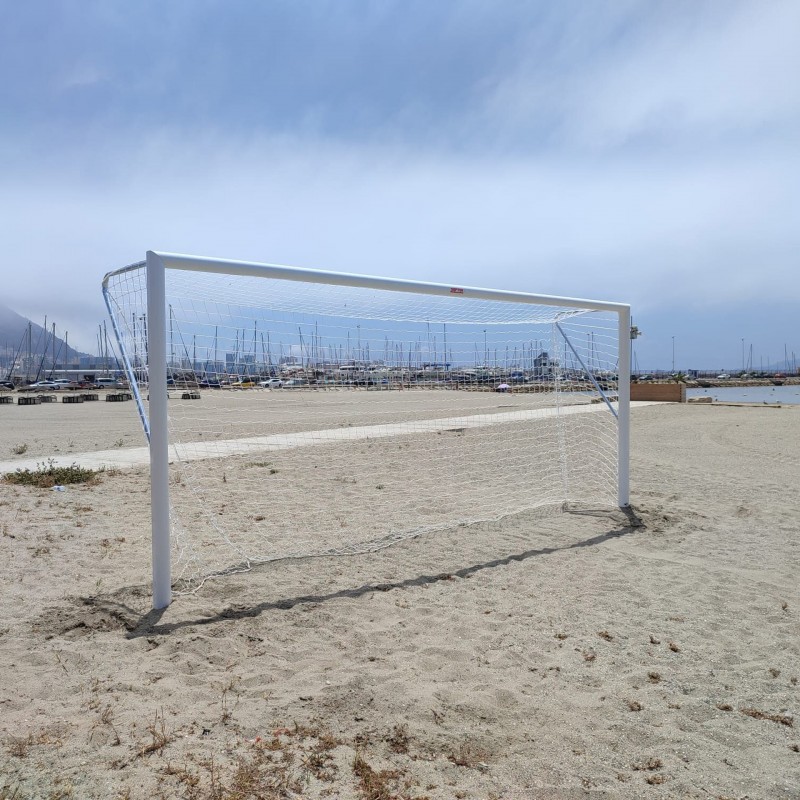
[{"x": 587, "y": 653}]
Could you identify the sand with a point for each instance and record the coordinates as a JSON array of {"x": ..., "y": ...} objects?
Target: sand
[{"x": 546, "y": 655}]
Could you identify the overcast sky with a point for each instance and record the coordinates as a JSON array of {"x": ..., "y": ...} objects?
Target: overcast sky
[{"x": 644, "y": 152}]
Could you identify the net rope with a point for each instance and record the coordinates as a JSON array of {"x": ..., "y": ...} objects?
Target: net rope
[{"x": 383, "y": 414}]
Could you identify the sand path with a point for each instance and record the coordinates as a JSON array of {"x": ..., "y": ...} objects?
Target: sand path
[{"x": 124, "y": 458}]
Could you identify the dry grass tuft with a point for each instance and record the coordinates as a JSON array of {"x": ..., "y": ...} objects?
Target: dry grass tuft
[
  {"x": 257, "y": 777},
  {"x": 635, "y": 705},
  {"x": 605, "y": 635},
  {"x": 319, "y": 763},
  {"x": 275, "y": 768},
  {"x": 106, "y": 718},
  {"x": 650, "y": 764},
  {"x": 468, "y": 754},
  {"x": 160, "y": 738},
  {"x": 262, "y": 774},
  {"x": 227, "y": 711},
  {"x": 399, "y": 739},
  {"x": 374, "y": 785},
  {"x": 19, "y": 746},
  {"x": 654, "y": 677},
  {"x": 782, "y": 719},
  {"x": 187, "y": 779}
]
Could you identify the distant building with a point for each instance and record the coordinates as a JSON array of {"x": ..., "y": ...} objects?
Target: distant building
[{"x": 544, "y": 365}]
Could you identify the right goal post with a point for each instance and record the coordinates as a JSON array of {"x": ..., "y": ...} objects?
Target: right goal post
[{"x": 294, "y": 412}]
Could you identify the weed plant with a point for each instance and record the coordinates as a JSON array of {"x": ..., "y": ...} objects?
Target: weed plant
[{"x": 46, "y": 475}]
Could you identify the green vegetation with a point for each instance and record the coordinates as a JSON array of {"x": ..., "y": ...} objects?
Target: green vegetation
[{"x": 47, "y": 475}]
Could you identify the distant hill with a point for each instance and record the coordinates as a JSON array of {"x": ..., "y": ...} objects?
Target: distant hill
[{"x": 14, "y": 332}]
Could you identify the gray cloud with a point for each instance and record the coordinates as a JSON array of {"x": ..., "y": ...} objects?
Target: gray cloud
[{"x": 625, "y": 151}]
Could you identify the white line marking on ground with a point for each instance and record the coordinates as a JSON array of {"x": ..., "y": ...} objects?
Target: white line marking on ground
[{"x": 126, "y": 458}]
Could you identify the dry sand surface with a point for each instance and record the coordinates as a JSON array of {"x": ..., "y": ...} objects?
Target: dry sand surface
[{"x": 545, "y": 655}]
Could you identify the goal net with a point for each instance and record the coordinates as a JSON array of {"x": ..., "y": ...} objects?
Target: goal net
[{"x": 312, "y": 413}]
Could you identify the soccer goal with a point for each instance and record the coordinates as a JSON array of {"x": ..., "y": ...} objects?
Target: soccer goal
[{"x": 294, "y": 412}]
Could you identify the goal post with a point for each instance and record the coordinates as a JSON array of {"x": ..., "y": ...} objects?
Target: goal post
[
  {"x": 624, "y": 405},
  {"x": 159, "y": 429},
  {"x": 402, "y": 374}
]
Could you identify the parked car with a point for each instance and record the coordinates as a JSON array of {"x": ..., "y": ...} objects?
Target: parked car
[
  {"x": 295, "y": 383},
  {"x": 107, "y": 383},
  {"x": 7, "y": 385},
  {"x": 38, "y": 386},
  {"x": 272, "y": 383},
  {"x": 51, "y": 386}
]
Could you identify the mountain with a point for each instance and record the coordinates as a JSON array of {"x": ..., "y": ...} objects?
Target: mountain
[{"x": 14, "y": 337}]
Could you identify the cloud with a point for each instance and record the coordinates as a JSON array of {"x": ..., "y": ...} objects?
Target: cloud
[
  {"x": 680, "y": 76},
  {"x": 635, "y": 230},
  {"x": 628, "y": 151}
]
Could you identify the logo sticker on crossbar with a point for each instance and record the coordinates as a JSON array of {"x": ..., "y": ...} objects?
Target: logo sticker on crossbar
[{"x": 456, "y": 291}]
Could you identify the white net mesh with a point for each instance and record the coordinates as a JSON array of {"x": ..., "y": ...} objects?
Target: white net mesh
[{"x": 311, "y": 419}]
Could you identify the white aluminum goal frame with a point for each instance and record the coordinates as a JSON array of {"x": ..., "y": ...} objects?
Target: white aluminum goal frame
[{"x": 156, "y": 425}]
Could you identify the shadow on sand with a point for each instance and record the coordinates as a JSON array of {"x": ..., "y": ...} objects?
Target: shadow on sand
[{"x": 149, "y": 624}]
